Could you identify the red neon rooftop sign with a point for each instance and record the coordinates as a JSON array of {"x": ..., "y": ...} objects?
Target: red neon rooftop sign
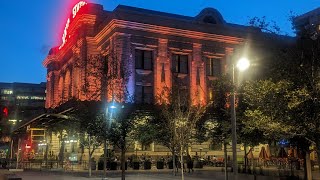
[{"x": 75, "y": 10}]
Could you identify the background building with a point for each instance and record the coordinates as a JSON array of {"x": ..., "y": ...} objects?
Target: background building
[
  {"x": 19, "y": 103},
  {"x": 308, "y": 22},
  {"x": 23, "y": 100}
]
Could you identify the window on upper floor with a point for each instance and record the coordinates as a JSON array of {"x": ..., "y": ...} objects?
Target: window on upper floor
[
  {"x": 180, "y": 63},
  {"x": 144, "y": 94},
  {"x": 7, "y": 91},
  {"x": 143, "y": 59},
  {"x": 213, "y": 66}
]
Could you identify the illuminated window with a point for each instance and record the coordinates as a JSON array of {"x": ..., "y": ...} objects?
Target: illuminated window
[
  {"x": 213, "y": 66},
  {"x": 180, "y": 63},
  {"x": 36, "y": 98},
  {"x": 22, "y": 97},
  {"x": 7, "y": 91},
  {"x": 143, "y": 59}
]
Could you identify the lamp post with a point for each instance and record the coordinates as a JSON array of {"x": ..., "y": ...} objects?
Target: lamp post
[
  {"x": 242, "y": 65},
  {"x": 108, "y": 114}
]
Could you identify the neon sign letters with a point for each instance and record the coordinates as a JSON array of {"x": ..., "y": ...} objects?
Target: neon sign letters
[
  {"x": 75, "y": 10},
  {"x": 77, "y": 7}
]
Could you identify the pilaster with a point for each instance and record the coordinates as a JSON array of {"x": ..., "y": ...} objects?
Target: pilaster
[
  {"x": 197, "y": 77},
  {"x": 162, "y": 69}
]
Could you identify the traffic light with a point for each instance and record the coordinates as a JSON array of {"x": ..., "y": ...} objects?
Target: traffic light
[{"x": 4, "y": 112}]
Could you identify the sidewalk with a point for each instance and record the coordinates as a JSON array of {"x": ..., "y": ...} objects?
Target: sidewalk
[{"x": 212, "y": 173}]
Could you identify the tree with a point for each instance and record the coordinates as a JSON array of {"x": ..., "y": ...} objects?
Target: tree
[
  {"x": 264, "y": 25},
  {"x": 122, "y": 129},
  {"x": 274, "y": 108},
  {"x": 92, "y": 126},
  {"x": 173, "y": 121}
]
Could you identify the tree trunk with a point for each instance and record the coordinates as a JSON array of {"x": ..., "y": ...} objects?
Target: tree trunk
[
  {"x": 89, "y": 166},
  {"x": 123, "y": 163},
  {"x": 245, "y": 158},
  {"x": 308, "y": 166},
  {"x": 18, "y": 153},
  {"x": 225, "y": 160},
  {"x": 61, "y": 153},
  {"x": 105, "y": 159},
  {"x": 174, "y": 162},
  {"x": 181, "y": 154},
  {"x": 46, "y": 155}
]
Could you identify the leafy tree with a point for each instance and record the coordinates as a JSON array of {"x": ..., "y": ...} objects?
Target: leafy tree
[
  {"x": 173, "y": 121},
  {"x": 265, "y": 25},
  {"x": 91, "y": 124},
  {"x": 274, "y": 108},
  {"x": 122, "y": 129}
]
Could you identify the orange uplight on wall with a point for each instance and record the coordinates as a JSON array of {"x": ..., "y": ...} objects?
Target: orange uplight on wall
[{"x": 75, "y": 10}]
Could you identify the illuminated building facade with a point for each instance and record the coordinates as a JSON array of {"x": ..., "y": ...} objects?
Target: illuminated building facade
[
  {"x": 157, "y": 49},
  {"x": 158, "y": 46}
]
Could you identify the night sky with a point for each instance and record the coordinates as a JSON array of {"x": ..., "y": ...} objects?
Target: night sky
[{"x": 29, "y": 28}]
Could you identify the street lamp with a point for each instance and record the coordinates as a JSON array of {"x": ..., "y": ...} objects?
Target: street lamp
[{"x": 242, "y": 65}]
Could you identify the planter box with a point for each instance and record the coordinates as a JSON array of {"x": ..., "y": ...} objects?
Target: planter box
[
  {"x": 147, "y": 165},
  {"x": 160, "y": 164},
  {"x": 136, "y": 165},
  {"x": 113, "y": 165}
]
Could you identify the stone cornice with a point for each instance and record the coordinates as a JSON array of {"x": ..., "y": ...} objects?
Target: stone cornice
[{"x": 116, "y": 23}]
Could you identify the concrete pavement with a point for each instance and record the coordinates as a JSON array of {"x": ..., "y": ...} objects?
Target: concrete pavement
[{"x": 154, "y": 174}]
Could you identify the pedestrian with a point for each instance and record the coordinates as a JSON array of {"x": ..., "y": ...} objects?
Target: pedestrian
[
  {"x": 176, "y": 162},
  {"x": 189, "y": 164},
  {"x": 214, "y": 160}
]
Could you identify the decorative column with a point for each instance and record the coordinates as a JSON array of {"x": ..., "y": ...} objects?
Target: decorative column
[
  {"x": 75, "y": 75},
  {"x": 123, "y": 88},
  {"x": 162, "y": 69},
  {"x": 56, "y": 97},
  {"x": 49, "y": 90},
  {"x": 227, "y": 64},
  {"x": 198, "y": 88}
]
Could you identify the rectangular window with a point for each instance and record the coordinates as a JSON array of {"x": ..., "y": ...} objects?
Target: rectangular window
[
  {"x": 144, "y": 94},
  {"x": 213, "y": 66},
  {"x": 7, "y": 91},
  {"x": 143, "y": 59},
  {"x": 180, "y": 63}
]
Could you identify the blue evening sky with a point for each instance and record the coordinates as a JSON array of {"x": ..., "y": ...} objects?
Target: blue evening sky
[{"x": 29, "y": 28}]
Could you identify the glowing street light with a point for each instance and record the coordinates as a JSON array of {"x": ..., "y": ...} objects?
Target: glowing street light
[{"x": 242, "y": 65}]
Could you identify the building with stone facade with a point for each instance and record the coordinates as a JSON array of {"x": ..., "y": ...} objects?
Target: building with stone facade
[{"x": 155, "y": 47}]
